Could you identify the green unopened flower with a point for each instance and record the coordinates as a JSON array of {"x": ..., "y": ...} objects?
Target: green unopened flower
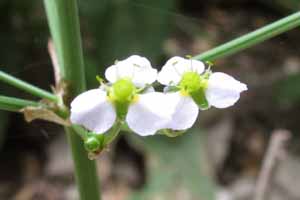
[{"x": 92, "y": 144}]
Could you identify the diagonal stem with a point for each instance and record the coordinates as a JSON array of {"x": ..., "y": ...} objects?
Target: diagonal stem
[
  {"x": 27, "y": 87},
  {"x": 15, "y": 104},
  {"x": 252, "y": 38}
]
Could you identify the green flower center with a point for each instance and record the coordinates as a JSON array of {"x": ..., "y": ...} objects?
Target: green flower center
[
  {"x": 190, "y": 82},
  {"x": 123, "y": 90},
  {"x": 194, "y": 85},
  {"x": 122, "y": 93}
]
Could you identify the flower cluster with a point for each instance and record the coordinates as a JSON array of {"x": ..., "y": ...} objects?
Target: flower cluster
[{"x": 128, "y": 96}]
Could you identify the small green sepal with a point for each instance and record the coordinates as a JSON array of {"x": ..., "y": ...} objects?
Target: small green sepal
[
  {"x": 200, "y": 99},
  {"x": 172, "y": 133}
]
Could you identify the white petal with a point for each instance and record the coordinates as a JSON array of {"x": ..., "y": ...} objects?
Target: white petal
[
  {"x": 185, "y": 111},
  {"x": 139, "y": 60},
  {"x": 143, "y": 73},
  {"x": 172, "y": 71},
  {"x": 196, "y": 66},
  {"x": 111, "y": 74},
  {"x": 137, "y": 68},
  {"x": 92, "y": 110},
  {"x": 121, "y": 69},
  {"x": 149, "y": 114},
  {"x": 223, "y": 90},
  {"x": 143, "y": 76}
]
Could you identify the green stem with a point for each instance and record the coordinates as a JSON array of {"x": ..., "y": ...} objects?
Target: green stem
[
  {"x": 84, "y": 134},
  {"x": 27, "y": 87},
  {"x": 14, "y": 104},
  {"x": 112, "y": 133},
  {"x": 64, "y": 26},
  {"x": 85, "y": 169},
  {"x": 251, "y": 38}
]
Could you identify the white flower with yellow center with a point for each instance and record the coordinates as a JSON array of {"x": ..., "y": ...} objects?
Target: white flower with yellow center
[
  {"x": 98, "y": 109},
  {"x": 196, "y": 88}
]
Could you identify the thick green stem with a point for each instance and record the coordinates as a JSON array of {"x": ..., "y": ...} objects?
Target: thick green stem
[
  {"x": 85, "y": 169},
  {"x": 14, "y": 104},
  {"x": 252, "y": 38},
  {"x": 64, "y": 26},
  {"x": 27, "y": 87}
]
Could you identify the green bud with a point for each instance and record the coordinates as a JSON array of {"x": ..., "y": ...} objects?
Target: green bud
[{"x": 92, "y": 144}]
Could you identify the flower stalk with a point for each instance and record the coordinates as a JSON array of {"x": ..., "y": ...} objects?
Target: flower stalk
[
  {"x": 31, "y": 89},
  {"x": 64, "y": 26},
  {"x": 252, "y": 38}
]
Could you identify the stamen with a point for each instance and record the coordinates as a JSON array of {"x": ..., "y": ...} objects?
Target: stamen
[
  {"x": 99, "y": 79},
  {"x": 143, "y": 89},
  {"x": 102, "y": 83},
  {"x": 191, "y": 59},
  {"x": 210, "y": 64},
  {"x": 192, "y": 66}
]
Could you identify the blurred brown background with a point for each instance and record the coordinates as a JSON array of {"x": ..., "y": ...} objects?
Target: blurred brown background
[{"x": 225, "y": 150}]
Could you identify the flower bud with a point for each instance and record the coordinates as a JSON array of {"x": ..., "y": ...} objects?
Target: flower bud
[{"x": 92, "y": 144}]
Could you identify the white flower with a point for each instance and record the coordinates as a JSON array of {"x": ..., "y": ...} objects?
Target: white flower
[
  {"x": 137, "y": 68},
  {"x": 185, "y": 110},
  {"x": 223, "y": 90},
  {"x": 171, "y": 73},
  {"x": 147, "y": 113},
  {"x": 217, "y": 89}
]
